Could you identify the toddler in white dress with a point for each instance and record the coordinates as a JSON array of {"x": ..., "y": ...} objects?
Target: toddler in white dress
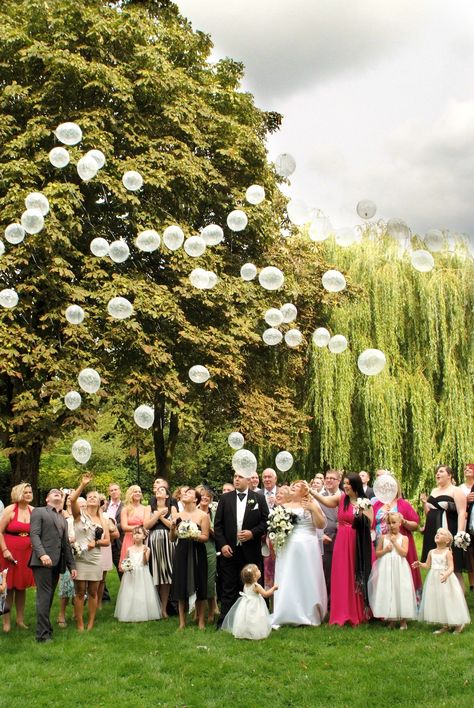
[{"x": 248, "y": 618}]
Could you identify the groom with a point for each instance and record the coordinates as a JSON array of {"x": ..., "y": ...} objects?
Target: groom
[{"x": 240, "y": 523}]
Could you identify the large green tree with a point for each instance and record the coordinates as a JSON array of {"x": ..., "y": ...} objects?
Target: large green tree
[{"x": 137, "y": 79}]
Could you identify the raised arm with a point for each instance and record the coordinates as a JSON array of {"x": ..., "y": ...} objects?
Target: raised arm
[
  {"x": 86, "y": 479},
  {"x": 332, "y": 501}
]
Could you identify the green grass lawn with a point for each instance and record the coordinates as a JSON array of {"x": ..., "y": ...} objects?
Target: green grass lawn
[{"x": 155, "y": 664}]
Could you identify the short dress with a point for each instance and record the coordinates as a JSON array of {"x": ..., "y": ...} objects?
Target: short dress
[
  {"x": 442, "y": 603},
  {"x": 17, "y": 540},
  {"x": 88, "y": 563},
  {"x": 248, "y": 618},
  {"x": 189, "y": 571},
  {"x": 134, "y": 519}
]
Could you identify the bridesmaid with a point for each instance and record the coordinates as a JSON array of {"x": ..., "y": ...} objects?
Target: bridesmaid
[
  {"x": 133, "y": 514},
  {"x": 352, "y": 555},
  {"x": 205, "y": 505},
  {"x": 16, "y": 550}
]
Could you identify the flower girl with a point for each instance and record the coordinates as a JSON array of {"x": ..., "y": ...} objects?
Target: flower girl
[
  {"x": 137, "y": 599},
  {"x": 443, "y": 599},
  {"x": 248, "y": 618},
  {"x": 391, "y": 590}
]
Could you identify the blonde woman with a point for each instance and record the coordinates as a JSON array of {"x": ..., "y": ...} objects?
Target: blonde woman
[
  {"x": 134, "y": 513},
  {"x": 16, "y": 551},
  {"x": 91, "y": 532}
]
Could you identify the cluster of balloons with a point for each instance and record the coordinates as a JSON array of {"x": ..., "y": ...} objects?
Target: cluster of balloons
[{"x": 275, "y": 317}]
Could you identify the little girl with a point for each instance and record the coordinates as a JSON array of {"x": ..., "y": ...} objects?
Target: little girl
[
  {"x": 248, "y": 618},
  {"x": 443, "y": 599},
  {"x": 137, "y": 600},
  {"x": 391, "y": 590}
]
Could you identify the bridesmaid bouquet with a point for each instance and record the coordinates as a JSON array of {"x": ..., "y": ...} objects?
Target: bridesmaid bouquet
[
  {"x": 462, "y": 540},
  {"x": 78, "y": 549},
  {"x": 362, "y": 505},
  {"x": 126, "y": 565},
  {"x": 188, "y": 529},
  {"x": 281, "y": 523}
]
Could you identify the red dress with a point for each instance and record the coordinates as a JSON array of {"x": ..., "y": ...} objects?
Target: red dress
[{"x": 17, "y": 540}]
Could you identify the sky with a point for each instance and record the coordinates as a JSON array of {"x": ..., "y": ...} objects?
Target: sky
[{"x": 377, "y": 98}]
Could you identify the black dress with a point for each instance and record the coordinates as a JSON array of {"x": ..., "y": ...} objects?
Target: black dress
[
  {"x": 189, "y": 570},
  {"x": 434, "y": 521}
]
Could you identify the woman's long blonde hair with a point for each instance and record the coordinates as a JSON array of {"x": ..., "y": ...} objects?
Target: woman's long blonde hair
[{"x": 129, "y": 494}]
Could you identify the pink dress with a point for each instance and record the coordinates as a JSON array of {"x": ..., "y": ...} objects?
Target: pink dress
[
  {"x": 134, "y": 519},
  {"x": 347, "y": 605}
]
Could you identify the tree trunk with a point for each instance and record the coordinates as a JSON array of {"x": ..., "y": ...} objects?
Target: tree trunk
[
  {"x": 25, "y": 468},
  {"x": 164, "y": 444}
]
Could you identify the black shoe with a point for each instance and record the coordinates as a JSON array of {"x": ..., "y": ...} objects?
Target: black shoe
[
  {"x": 106, "y": 595},
  {"x": 44, "y": 639}
]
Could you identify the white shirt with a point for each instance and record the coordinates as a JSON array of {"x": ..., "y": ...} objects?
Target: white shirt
[{"x": 241, "y": 506}]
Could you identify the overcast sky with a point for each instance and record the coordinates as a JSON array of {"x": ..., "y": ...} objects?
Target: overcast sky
[{"x": 377, "y": 98}]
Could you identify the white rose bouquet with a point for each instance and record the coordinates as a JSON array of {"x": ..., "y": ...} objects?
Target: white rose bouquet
[
  {"x": 280, "y": 524},
  {"x": 188, "y": 529}
]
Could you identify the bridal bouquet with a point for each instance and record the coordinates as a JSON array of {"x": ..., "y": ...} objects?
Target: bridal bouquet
[
  {"x": 127, "y": 565},
  {"x": 188, "y": 529},
  {"x": 462, "y": 540},
  {"x": 280, "y": 524}
]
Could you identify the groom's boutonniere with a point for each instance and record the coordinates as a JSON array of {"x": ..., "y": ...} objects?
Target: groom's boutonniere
[{"x": 251, "y": 502}]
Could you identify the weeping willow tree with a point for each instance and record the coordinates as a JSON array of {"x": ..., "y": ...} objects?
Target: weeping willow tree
[{"x": 419, "y": 410}]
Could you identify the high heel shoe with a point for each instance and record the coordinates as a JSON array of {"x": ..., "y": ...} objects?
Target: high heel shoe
[{"x": 442, "y": 630}]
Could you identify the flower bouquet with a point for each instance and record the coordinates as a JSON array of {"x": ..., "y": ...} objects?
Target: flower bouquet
[
  {"x": 127, "y": 565},
  {"x": 281, "y": 523},
  {"x": 462, "y": 540},
  {"x": 362, "y": 505},
  {"x": 188, "y": 529},
  {"x": 78, "y": 549}
]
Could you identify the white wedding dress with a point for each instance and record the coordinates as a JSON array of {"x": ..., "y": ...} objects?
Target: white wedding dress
[{"x": 301, "y": 598}]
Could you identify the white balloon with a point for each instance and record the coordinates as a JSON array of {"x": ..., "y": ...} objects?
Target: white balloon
[
  {"x": 32, "y": 221},
  {"x": 293, "y": 338},
  {"x": 320, "y": 228},
  {"x": 244, "y": 462},
  {"x": 8, "y": 298},
  {"x": 435, "y": 240},
  {"x": 36, "y": 200},
  {"x": 285, "y": 164},
  {"x": 119, "y": 308},
  {"x": 289, "y": 312},
  {"x": 81, "y": 451},
  {"x": 386, "y": 488},
  {"x": 212, "y": 279},
  {"x": 272, "y": 336},
  {"x": 195, "y": 246},
  {"x": 132, "y": 180},
  {"x": 68, "y": 133},
  {"x": 212, "y": 234},
  {"x": 398, "y": 229},
  {"x": 99, "y": 247},
  {"x": 89, "y": 380},
  {"x": 255, "y": 194},
  {"x": 321, "y": 337},
  {"x": 59, "y": 157},
  {"x": 271, "y": 278},
  {"x": 72, "y": 400},
  {"x": 345, "y": 237},
  {"x": 333, "y": 281},
  {"x": 273, "y": 317},
  {"x": 371, "y": 362},
  {"x": 75, "y": 314},
  {"x": 14, "y": 233},
  {"x": 284, "y": 461},
  {"x": 148, "y": 240},
  {"x": 199, "y": 278},
  {"x": 173, "y": 237},
  {"x": 87, "y": 168},
  {"x": 366, "y": 209},
  {"x": 237, "y": 220},
  {"x": 248, "y": 271},
  {"x": 422, "y": 261},
  {"x": 199, "y": 374},
  {"x": 337, "y": 344},
  {"x": 98, "y": 156},
  {"x": 236, "y": 440},
  {"x": 144, "y": 416},
  {"x": 298, "y": 211},
  {"x": 119, "y": 251}
]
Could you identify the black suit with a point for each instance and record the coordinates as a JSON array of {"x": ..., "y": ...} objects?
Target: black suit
[
  {"x": 49, "y": 536},
  {"x": 116, "y": 544},
  {"x": 225, "y": 534}
]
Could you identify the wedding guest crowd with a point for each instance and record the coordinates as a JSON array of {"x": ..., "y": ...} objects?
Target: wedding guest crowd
[{"x": 343, "y": 551}]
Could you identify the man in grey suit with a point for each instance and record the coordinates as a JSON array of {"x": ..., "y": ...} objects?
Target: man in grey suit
[{"x": 51, "y": 555}]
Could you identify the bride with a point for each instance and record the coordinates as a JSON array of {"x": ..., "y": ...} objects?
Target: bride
[{"x": 301, "y": 598}]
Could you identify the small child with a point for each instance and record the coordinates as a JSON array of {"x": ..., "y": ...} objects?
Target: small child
[
  {"x": 248, "y": 618},
  {"x": 391, "y": 590},
  {"x": 4, "y": 609},
  {"x": 137, "y": 600},
  {"x": 443, "y": 599}
]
